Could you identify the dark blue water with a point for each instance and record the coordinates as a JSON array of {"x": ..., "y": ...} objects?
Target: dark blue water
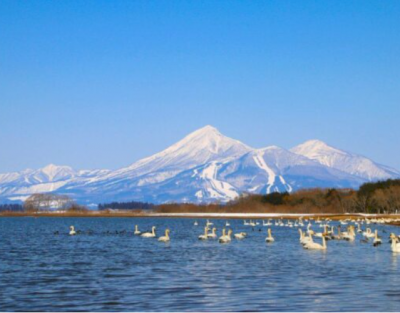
[{"x": 40, "y": 271}]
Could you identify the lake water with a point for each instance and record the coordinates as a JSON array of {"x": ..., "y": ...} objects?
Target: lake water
[{"x": 40, "y": 271}]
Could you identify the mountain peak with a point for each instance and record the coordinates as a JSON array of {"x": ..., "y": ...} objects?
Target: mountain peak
[
  {"x": 53, "y": 171},
  {"x": 344, "y": 161},
  {"x": 204, "y": 132},
  {"x": 207, "y": 129},
  {"x": 314, "y": 147},
  {"x": 201, "y": 146}
]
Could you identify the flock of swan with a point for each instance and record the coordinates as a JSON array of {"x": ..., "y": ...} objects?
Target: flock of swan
[{"x": 352, "y": 228}]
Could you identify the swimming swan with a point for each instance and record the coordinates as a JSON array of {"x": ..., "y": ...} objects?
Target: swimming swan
[
  {"x": 269, "y": 238},
  {"x": 166, "y": 237},
  {"x": 350, "y": 235},
  {"x": 225, "y": 238},
  {"x": 395, "y": 243},
  {"x": 241, "y": 235},
  {"x": 151, "y": 234},
  {"x": 137, "y": 231},
  {"x": 303, "y": 238},
  {"x": 368, "y": 233},
  {"x": 205, "y": 235},
  {"x": 311, "y": 245},
  {"x": 72, "y": 231},
  {"x": 213, "y": 234},
  {"x": 377, "y": 240}
]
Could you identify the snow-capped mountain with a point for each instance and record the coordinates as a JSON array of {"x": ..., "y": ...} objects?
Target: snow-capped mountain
[
  {"x": 350, "y": 163},
  {"x": 204, "y": 145},
  {"x": 205, "y": 166},
  {"x": 19, "y": 185},
  {"x": 259, "y": 171}
]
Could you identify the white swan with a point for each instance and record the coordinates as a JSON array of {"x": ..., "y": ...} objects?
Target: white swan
[
  {"x": 137, "y": 231},
  {"x": 225, "y": 238},
  {"x": 309, "y": 230},
  {"x": 311, "y": 245},
  {"x": 269, "y": 238},
  {"x": 241, "y": 235},
  {"x": 151, "y": 234},
  {"x": 72, "y": 231},
  {"x": 213, "y": 234},
  {"x": 205, "y": 235},
  {"x": 377, "y": 240},
  {"x": 195, "y": 223},
  {"x": 368, "y": 233},
  {"x": 166, "y": 237},
  {"x": 303, "y": 238},
  {"x": 227, "y": 224},
  {"x": 395, "y": 243},
  {"x": 350, "y": 235}
]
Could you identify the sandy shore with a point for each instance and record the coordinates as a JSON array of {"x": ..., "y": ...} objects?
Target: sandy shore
[{"x": 198, "y": 215}]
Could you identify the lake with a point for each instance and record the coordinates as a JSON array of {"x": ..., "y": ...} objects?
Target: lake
[{"x": 109, "y": 270}]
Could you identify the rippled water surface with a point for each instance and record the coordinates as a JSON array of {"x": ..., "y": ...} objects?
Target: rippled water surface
[{"x": 41, "y": 271}]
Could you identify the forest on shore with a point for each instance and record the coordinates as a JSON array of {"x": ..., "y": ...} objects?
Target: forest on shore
[
  {"x": 381, "y": 197},
  {"x": 373, "y": 198}
]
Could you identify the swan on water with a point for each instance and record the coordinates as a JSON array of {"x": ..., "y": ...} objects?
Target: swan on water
[
  {"x": 166, "y": 237},
  {"x": 303, "y": 238},
  {"x": 311, "y": 245},
  {"x": 241, "y": 235},
  {"x": 72, "y": 231},
  {"x": 225, "y": 238},
  {"x": 368, "y": 233},
  {"x": 213, "y": 233},
  {"x": 205, "y": 235},
  {"x": 151, "y": 234},
  {"x": 350, "y": 235},
  {"x": 269, "y": 238},
  {"x": 137, "y": 231},
  {"x": 377, "y": 241},
  {"x": 395, "y": 243}
]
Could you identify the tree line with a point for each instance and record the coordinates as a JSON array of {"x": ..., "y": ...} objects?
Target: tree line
[
  {"x": 381, "y": 197},
  {"x": 11, "y": 208},
  {"x": 132, "y": 205}
]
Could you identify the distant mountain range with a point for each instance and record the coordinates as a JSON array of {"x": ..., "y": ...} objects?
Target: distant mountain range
[{"x": 205, "y": 166}]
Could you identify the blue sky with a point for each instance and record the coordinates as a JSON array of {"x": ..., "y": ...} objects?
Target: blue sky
[{"x": 100, "y": 84}]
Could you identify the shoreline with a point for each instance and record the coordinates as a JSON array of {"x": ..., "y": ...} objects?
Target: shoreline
[{"x": 333, "y": 216}]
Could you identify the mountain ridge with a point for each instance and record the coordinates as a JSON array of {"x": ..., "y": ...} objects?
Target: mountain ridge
[{"x": 204, "y": 166}]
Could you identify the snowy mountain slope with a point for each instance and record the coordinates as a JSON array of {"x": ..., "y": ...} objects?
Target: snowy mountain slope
[
  {"x": 347, "y": 162},
  {"x": 276, "y": 169},
  {"x": 19, "y": 185},
  {"x": 205, "y": 166},
  {"x": 204, "y": 145},
  {"x": 259, "y": 171}
]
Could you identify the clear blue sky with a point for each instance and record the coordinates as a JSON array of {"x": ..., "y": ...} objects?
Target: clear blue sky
[{"x": 100, "y": 84}]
